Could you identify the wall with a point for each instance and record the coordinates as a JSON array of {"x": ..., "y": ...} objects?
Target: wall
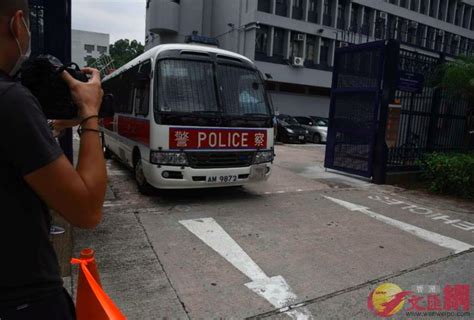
[
  {"x": 305, "y": 76},
  {"x": 300, "y": 105},
  {"x": 81, "y": 38}
]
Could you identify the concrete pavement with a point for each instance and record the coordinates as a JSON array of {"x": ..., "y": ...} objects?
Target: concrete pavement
[{"x": 156, "y": 265}]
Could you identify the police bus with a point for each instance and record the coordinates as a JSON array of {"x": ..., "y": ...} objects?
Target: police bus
[{"x": 190, "y": 116}]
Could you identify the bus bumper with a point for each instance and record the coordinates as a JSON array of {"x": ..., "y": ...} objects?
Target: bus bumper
[{"x": 190, "y": 178}]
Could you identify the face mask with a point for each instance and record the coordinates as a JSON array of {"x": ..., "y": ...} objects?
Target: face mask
[{"x": 23, "y": 57}]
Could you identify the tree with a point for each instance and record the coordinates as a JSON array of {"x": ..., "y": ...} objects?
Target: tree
[
  {"x": 123, "y": 51},
  {"x": 458, "y": 77}
]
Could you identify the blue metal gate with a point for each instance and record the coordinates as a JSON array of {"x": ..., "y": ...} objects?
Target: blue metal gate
[{"x": 355, "y": 110}]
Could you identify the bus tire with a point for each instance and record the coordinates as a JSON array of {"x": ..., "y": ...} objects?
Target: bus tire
[
  {"x": 107, "y": 153},
  {"x": 143, "y": 186}
]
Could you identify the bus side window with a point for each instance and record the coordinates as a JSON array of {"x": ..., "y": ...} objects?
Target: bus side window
[{"x": 142, "y": 95}]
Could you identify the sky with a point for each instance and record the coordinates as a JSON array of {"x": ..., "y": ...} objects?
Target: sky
[{"x": 122, "y": 19}]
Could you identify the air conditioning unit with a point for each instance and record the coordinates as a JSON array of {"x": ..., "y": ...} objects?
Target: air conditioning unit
[
  {"x": 383, "y": 15},
  {"x": 441, "y": 33},
  {"x": 413, "y": 25},
  {"x": 297, "y": 62},
  {"x": 300, "y": 37},
  {"x": 457, "y": 38}
]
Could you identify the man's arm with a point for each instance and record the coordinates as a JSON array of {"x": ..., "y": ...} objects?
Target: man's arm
[{"x": 78, "y": 195}]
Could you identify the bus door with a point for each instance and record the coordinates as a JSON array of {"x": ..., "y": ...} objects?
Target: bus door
[{"x": 140, "y": 126}]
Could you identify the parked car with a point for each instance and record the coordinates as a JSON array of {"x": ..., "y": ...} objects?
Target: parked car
[
  {"x": 289, "y": 130},
  {"x": 317, "y": 128}
]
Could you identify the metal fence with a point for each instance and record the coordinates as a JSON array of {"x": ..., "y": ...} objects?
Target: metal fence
[
  {"x": 431, "y": 120},
  {"x": 388, "y": 110}
]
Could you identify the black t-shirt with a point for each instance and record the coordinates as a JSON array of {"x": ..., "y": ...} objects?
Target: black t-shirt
[{"x": 29, "y": 267}]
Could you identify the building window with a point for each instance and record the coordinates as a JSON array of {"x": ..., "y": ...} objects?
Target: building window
[
  {"x": 457, "y": 19},
  {"x": 420, "y": 34},
  {"x": 403, "y": 3},
  {"x": 412, "y": 32},
  {"x": 414, "y": 5},
  {"x": 463, "y": 46},
  {"x": 438, "y": 41},
  {"x": 441, "y": 11},
  {"x": 454, "y": 45},
  {"x": 450, "y": 8},
  {"x": 341, "y": 12},
  {"x": 327, "y": 13},
  {"x": 324, "y": 57},
  {"x": 278, "y": 42},
  {"x": 297, "y": 9},
  {"x": 281, "y": 8},
  {"x": 261, "y": 42},
  {"x": 470, "y": 48},
  {"x": 431, "y": 34},
  {"x": 297, "y": 40},
  {"x": 313, "y": 11},
  {"x": 402, "y": 29},
  {"x": 423, "y": 7},
  {"x": 265, "y": 5},
  {"x": 391, "y": 26},
  {"x": 393, "y": 1},
  {"x": 89, "y": 48},
  {"x": 379, "y": 26},
  {"x": 432, "y": 10},
  {"x": 366, "y": 23},
  {"x": 354, "y": 18},
  {"x": 466, "y": 17},
  {"x": 447, "y": 42},
  {"x": 310, "y": 50},
  {"x": 102, "y": 49}
]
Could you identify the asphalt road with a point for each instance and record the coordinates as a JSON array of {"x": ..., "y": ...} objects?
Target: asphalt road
[{"x": 305, "y": 244}]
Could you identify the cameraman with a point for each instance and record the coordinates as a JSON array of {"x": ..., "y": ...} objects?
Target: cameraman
[{"x": 35, "y": 175}]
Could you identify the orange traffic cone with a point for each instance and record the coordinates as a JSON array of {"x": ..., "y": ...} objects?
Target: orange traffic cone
[{"x": 92, "y": 303}]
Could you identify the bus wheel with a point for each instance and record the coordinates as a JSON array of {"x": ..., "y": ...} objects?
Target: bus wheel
[
  {"x": 107, "y": 153},
  {"x": 143, "y": 186}
]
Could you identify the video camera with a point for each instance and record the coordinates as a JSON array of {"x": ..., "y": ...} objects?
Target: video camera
[{"x": 42, "y": 76}]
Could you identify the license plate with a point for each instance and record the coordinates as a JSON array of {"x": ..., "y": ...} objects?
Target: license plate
[
  {"x": 257, "y": 173},
  {"x": 301, "y": 137},
  {"x": 222, "y": 179}
]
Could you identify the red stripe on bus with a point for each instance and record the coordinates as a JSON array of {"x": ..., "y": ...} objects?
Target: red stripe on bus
[{"x": 134, "y": 129}]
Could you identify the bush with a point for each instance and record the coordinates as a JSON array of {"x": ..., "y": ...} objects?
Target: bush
[{"x": 451, "y": 174}]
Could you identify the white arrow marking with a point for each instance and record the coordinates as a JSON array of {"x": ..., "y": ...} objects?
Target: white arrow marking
[
  {"x": 275, "y": 289},
  {"x": 433, "y": 237}
]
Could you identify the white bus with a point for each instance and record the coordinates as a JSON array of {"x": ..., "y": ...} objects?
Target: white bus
[{"x": 190, "y": 116}]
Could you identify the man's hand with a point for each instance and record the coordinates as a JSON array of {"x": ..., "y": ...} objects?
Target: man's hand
[
  {"x": 78, "y": 195},
  {"x": 86, "y": 95}
]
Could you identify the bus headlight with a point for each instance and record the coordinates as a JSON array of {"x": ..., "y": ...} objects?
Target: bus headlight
[
  {"x": 263, "y": 156},
  {"x": 168, "y": 158}
]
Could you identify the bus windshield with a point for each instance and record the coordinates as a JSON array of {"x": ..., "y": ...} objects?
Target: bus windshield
[{"x": 186, "y": 86}]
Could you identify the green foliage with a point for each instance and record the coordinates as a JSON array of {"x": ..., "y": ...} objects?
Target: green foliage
[
  {"x": 458, "y": 77},
  {"x": 450, "y": 174},
  {"x": 90, "y": 62},
  {"x": 123, "y": 51}
]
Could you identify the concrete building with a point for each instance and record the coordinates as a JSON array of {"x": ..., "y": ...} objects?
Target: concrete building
[
  {"x": 86, "y": 44},
  {"x": 293, "y": 41}
]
